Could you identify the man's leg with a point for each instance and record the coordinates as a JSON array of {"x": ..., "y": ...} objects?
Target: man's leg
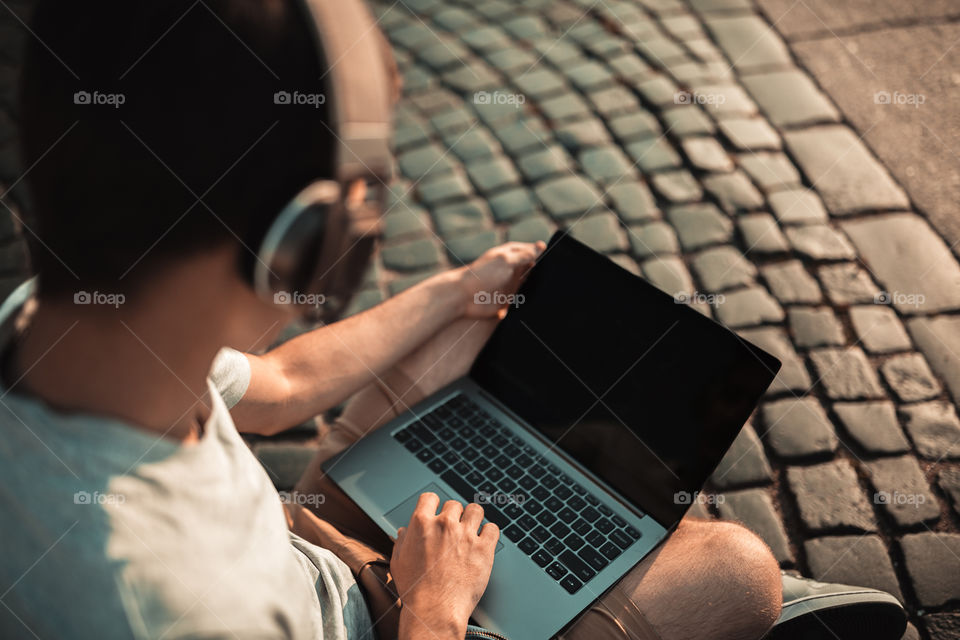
[{"x": 710, "y": 579}]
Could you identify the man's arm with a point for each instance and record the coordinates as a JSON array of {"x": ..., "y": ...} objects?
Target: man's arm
[{"x": 319, "y": 369}]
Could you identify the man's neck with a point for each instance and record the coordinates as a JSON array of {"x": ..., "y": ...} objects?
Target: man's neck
[{"x": 145, "y": 365}]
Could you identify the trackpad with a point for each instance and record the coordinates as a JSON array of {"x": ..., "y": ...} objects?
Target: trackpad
[{"x": 399, "y": 516}]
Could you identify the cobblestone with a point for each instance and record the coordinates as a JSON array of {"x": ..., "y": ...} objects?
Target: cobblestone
[
  {"x": 677, "y": 186},
  {"x": 902, "y": 491},
  {"x": 607, "y": 165},
  {"x": 633, "y": 201},
  {"x": 796, "y": 428},
  {"x": 700, "y": 225},
  {"x": 934, "y": 429},
  {"x": 601, "y": 231},
  {"x": 635, "y": 126},
  {"x": 411, "y": 255},
  {"x": 847, "y": 284},
  {"x": 749, "y": 307},
  {"x": 653, "y": 154},
  {"x": 655, "y": 238},
  {"x": 722, "y": 268},
  {"x": 926, "y": 554},
  {"x": 910, "y": 378},
  {"x": 467, "y": 247},
  {"x": 939, "y": 339},
  {"x": 815, "y": 327},
  {"x": 754, "y": 508},
  {"x": 772, "y": 171},
  {"x": 761, "y": 235},
  {"x": 512, "y": 204},
  {"x": 545, "y": 162},
  {"x": 707, "y": 154},
  {"x": 466, "y": 215},
  {"x": 791, "y": 284},
  {"x": 531, "y": 229},
  {"x": 873, "y": 425},
  {"x": 846, "y": 175},
  {"x": 878, "y": 329},
  {"x": 750, "y": 134},
  {"x": 829, "y": 498},
  {"x": 793, "y": 376},
  {"x": 749, "y": 42},
  {"x": 491, "y": 174},
  {"x": 797, "y": 206},
  {"x": 733, "y": 191},
  {"x": 688, "y": 120},
  {"x": 910, "y": 260},
  {"x": 854, "y": 560},
  {"x": 668, "y": 274},
  {"x": 820, "y": 242},
  {"x": 845, "y": 373},
  {"x": 950, "y": 483},
  {"x": 568, "y": 196},
  {"x": 790, "y": 99},
  {"x": 744, "y": 463}
]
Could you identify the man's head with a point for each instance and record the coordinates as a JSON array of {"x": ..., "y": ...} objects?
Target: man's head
[{"x": 154, "y": 135}]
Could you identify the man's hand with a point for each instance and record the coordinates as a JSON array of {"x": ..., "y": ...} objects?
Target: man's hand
[
  {"x": 441, "y": 567},
  {"x": 491, "y": 281}
]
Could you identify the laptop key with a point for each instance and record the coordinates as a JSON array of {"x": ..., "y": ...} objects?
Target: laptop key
[
  {"x": 467, "y": 492},
  {"x": 450, "y": 457},
  {"x": 546, "y": 518},
  {"x": 571, "y": 584},
  {"x": 532, "y": 506},
  {"x": 494, "y": 474},
  {"x": 576, "y": 503},
  {"x": 593, "y": 558},
  {"x": 604, "y": 509},
  {"x": 437, "y": 465},
  {"x": 527, "y": 482},
  {"x": 511, "y": 452},
  {"x": 540, "y": 493},
  {"x": 576, "y": 566},
  {"x": 458, "y": 443},
  {"x": 542, "y": 558},
  {"x": 589, "y": 514},
  {"x": 537, "y": 471},
  {"x": 481, "y": 463},
  {"x": 402, "y": 436},
  {"x": 604, "y": 525},
  {"x": 474, "y": 479},
  {"x": 515, "y": 472},
  {"x": 524, "y": 461},
  {"x": 513, "y": 511},
  {"x": 540, "y": 534},
  {"x": 622, "y": 539},
  {"x": 487, "y": 488},
  {"x": 478, "y": 441},
  {"x": 617, "y": 520},
  {"x": 556, "y": 571},
  {"x": 470, "y": 453},
  {"x": 514, "y": 532},
  {"x": 502, "y": 461},
  {"x": 562, "y": 492},
  {"x": 425, "y": 455},
  {"x": 596, "y": 538},
  {"x": 500, "y": 441},
  {"x": 553, "y": 504},
  {"x": 611, "y": 551},
  {"x": 592, "y": 499},
  {"x": 633, "y": 533},
  {"x": 560, "y": 530},
  {"x": 553, "y": 545},
  {"x": 567, "y": 514},
  {"x": 528, "y": 545},
  {"x": 578, "y": 489},
  {"x": 507, "y": 485},
  {"x": 490, "y": 451},
  {"x": 549, "y": 482},
  {"x": 527, "y": 522},
  {"x": 581, "y": 526},
  {"x": 573, "y": 541},
  {"x": 413, "y": 445}
]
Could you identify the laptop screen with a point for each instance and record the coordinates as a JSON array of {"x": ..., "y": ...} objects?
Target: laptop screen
[{"x": 645, "y": 393}]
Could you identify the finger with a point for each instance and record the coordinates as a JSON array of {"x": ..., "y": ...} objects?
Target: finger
[
  {"x": 472, "y": 516},
  {"x": 426, "y": 506},
  {"x": 401, "y": 533},
  {"x": 490, "y": 534},
  {"x": 452, "y": 510}
]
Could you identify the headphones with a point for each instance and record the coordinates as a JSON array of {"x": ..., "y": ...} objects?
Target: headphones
[{"x": 314, "y": 253}]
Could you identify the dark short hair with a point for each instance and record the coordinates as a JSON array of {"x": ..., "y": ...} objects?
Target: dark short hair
[{"x": 115, "y": 186}]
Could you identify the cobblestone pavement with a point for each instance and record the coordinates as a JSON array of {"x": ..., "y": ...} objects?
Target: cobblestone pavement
[{"x": 682, "y": 139}]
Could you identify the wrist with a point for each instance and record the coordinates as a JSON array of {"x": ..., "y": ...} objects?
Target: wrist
[
  {"x": 452, "y": 293},
  {"x": 423, "y": 623}
]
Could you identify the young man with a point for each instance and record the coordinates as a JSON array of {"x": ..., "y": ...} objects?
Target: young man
[{"x": 130, "y": 507}]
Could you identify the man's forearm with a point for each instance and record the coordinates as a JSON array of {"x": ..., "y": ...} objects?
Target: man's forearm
[{"x": 319, "y": 369}]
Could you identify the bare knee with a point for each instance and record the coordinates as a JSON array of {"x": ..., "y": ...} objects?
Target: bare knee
[{"x": 713, "y": 578}]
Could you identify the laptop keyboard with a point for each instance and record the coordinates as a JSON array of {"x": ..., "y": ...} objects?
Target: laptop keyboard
[{"x": 562, "y": 527}]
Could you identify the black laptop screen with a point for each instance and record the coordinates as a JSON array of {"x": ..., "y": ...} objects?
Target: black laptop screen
[{"x": 645, "y": 393}]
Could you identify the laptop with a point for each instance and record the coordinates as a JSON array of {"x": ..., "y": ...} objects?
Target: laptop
[{"x": 585, "y": 428}]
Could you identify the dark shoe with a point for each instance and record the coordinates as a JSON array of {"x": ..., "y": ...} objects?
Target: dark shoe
[{"x": 820, "y": 611}]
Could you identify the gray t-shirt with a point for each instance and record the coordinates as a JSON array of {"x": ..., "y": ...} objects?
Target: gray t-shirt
[{"x": 110, "y": 531}]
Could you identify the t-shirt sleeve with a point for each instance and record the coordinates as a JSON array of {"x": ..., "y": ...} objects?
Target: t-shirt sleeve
[{"x": 230, "y": 375}]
